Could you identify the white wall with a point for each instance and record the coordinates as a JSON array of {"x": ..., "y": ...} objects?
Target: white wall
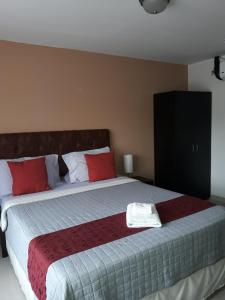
[{"x": 200, "y": 78}]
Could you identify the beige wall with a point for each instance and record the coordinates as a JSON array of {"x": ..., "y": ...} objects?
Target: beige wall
[{"x": 43, "y": 88}]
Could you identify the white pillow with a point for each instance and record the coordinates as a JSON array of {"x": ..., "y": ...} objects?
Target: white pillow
[
  {"x": 52, "y": 167},
  {"x": 77, "y": 166},
  {"x": 5, "y": 177}
]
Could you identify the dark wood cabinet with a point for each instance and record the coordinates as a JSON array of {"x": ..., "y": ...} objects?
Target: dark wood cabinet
[{"x": 182, "y": 139}]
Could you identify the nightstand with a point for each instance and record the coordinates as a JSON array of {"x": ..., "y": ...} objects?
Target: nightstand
[{"x": 144, "y": 179}]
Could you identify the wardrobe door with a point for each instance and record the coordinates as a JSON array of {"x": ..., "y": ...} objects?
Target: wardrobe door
[
  {"x": 184, "y": 141},
  {"x": 202, "y": 150},
  {"x": 193, "y": 142}
]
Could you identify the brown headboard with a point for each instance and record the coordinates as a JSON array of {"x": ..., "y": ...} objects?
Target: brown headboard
[{"x": 13, "y": 145}]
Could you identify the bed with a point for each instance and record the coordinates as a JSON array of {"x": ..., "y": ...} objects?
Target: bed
[{"x": 182, "y": 260}]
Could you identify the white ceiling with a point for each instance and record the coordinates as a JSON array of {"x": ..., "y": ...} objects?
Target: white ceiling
[{"x": 186, "y": 32}]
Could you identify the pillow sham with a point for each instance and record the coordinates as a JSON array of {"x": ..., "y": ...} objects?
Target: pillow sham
[
  {"x": 77, "y": 165},
  {"x": 100, "y": 166},
  {"x": 52, "y": 166},
  {"x": 29, "y": 176}
]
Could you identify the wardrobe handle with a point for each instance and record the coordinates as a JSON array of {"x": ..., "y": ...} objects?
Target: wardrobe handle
[
  {"x": 193, "y": 148},
  {"x": 197, "y": 147}
]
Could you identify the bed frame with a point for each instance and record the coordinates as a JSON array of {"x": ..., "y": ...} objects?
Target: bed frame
[
  {"x": 197, "y": 285},
  {"x": 15, "y": 145}
]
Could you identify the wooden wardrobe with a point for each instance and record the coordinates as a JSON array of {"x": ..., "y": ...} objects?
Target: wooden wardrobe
[{"x": 182, "y": 140}]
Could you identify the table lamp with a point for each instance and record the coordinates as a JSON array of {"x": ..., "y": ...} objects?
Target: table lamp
[{"x": 128, "y": 163}]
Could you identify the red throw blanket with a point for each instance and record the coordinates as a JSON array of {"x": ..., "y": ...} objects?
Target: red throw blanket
[{"x": 48, "y": 248}]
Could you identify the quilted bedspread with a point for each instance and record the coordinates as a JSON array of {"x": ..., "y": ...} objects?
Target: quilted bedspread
[{"x": 128, "y": 268}]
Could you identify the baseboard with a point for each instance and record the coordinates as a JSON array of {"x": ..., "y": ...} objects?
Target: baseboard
[{"x": 217, "y": 200}]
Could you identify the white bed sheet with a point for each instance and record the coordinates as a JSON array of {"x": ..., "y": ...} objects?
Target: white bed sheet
[{"x": 59, "y": 187}]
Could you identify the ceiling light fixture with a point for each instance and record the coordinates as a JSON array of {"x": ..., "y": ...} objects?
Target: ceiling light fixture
[{"x": 154, "y": 6}]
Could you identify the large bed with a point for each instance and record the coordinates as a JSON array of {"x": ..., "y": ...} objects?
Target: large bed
[{"x": 184, "y": 259}]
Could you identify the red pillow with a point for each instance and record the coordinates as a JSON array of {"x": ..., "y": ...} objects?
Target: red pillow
[
  {"x": 100, "y": 166},
  {"x": 29, "y": 176}
]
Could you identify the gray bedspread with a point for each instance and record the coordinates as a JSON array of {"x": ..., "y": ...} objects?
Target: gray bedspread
[{"x": 129, "y": 268}]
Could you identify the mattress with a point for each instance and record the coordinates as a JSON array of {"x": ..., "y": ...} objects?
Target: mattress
[{"x": 129, "y": 268}]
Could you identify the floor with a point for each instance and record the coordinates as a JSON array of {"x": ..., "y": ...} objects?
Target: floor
[{"x": 10, "y": 289}]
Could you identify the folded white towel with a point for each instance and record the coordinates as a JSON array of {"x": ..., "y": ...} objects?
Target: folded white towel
[{"x": 142, "y": 215}]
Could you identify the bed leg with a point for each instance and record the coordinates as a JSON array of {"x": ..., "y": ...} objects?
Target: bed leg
[{"x": 3, "y": 244}]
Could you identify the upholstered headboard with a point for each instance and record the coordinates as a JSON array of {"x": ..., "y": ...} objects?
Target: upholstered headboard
[{"x": 13, "y": 145}]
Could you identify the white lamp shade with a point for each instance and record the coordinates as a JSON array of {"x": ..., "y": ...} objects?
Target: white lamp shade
[{"x": 128, "y": 163}]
